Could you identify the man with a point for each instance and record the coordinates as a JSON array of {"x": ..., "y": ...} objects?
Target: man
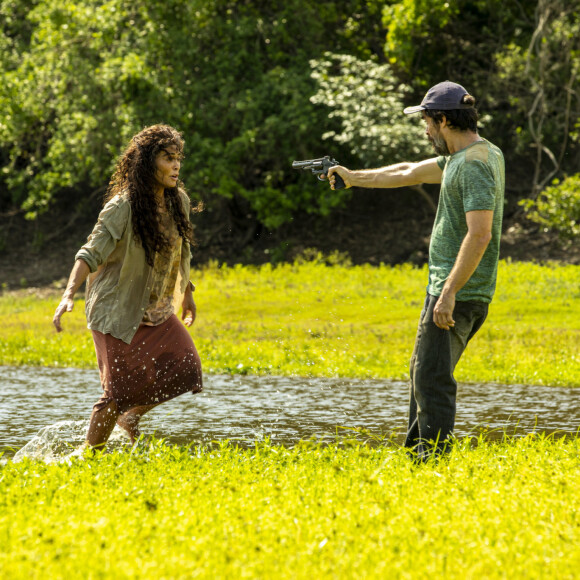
[{"x": 463, "y": 253}]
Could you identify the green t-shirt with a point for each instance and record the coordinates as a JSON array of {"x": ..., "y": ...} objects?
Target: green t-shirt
[{"x": 473, "y": 179}]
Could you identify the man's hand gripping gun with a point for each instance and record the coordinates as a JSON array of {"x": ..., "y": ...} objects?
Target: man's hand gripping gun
[{"x": 320, "y": 167}]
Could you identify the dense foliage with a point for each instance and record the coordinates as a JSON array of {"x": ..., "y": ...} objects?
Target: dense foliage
[
  {"x": 558, "y": 207},
  {"x": 254, "y": 85},
  {"x": 80, "y": 78}
]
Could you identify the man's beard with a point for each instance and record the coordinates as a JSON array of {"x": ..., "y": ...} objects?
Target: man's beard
[{"x": 439, "y": 145}]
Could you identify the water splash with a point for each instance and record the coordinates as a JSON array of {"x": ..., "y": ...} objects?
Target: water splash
[{"x": 64, "y": 440}]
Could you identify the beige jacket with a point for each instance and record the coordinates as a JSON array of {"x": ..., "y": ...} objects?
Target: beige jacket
[{"x": 119, "y": 286}]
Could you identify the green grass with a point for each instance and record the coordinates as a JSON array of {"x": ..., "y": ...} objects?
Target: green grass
[
  {"x": 508, "y": 509},
  {"x": 497, "y": 510},
  {"x": 311, "y": 319}
]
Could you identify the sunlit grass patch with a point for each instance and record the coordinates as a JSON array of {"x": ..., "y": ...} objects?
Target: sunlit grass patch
[
  {"x": 311, "y": 319},
  {"x": 347, "y": 510}
]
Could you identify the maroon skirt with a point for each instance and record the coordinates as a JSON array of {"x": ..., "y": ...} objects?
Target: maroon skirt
[{"x": 160, "y": 363}]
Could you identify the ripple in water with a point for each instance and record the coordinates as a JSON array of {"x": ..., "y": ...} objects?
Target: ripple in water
[{"x": 45, "y": 411}]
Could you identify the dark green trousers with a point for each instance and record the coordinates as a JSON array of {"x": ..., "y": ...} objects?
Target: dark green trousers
[{"x": 433, "y": 387}]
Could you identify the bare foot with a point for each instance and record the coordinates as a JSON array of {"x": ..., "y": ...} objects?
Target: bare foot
[
  {"x": 130, "y": 424},
  {"x": 129, "y": 421}
]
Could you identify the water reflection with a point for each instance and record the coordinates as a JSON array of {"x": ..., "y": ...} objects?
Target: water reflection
[{"x": 284, "y": 409}]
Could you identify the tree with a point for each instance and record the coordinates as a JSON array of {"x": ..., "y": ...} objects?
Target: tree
[
  {"x": 521, "y": 60},
  {"x": 233, "y": 76},
  {"x": 433, "y": 40},
  {"x": 541, "y": 80},
  {"x": 367, "y": 99},
  {"x": 558, "y": 207}
]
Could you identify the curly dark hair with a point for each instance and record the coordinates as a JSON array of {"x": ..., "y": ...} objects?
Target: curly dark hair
[
  {"x": 460, "y": 119},
  {"x": 135, "y": 175}
]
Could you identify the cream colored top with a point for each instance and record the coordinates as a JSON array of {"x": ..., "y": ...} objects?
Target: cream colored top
[{"x": 165, "y": 274}]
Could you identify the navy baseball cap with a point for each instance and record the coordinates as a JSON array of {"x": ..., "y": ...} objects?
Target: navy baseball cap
[{"x": 442, "y": 97}]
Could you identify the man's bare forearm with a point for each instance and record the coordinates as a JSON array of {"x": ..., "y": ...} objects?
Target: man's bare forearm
[
  {"x": 397, "y": 175},
  {"x": 391, "y": 176},
  {"x": 472, "y": 249}
]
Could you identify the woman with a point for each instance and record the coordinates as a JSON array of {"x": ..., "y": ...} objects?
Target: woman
[{"x": 137, "y": 264}]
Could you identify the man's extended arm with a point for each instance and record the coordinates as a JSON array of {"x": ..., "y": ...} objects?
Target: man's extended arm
[
  {"x": 398, "y": 175},
  {"x": 476, "y": 240}
]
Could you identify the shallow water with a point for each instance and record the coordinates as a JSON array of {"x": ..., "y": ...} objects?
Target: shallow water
[{"x": 56, "y": 404}]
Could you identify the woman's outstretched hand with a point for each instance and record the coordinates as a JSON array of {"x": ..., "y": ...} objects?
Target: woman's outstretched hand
[
  {"x": 188, "y": 309},
  {"x": 77, "y": 276},
  {"x": 66, "y": 305}
]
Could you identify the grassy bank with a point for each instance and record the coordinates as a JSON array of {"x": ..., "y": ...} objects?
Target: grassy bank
[
  {"x": 500, "y": 510},
  {"x": 312, "y": 319}
]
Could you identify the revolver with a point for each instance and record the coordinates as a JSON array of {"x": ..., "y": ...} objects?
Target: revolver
[{"x": 320, "y": 167}]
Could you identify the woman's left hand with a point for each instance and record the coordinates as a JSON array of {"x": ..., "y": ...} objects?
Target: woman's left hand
[{"x": 188, "y": 309}]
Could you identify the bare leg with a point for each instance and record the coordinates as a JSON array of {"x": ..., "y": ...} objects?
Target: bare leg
[
  {"x": 129, "y": 420},
  {"x": 101, "y": 425}
]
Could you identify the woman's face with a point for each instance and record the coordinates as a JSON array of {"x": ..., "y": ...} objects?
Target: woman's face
[{"x": 167, "y": 164}]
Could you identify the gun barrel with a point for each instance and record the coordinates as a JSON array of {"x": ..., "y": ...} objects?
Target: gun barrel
[{"x": 308, "y": 164}]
